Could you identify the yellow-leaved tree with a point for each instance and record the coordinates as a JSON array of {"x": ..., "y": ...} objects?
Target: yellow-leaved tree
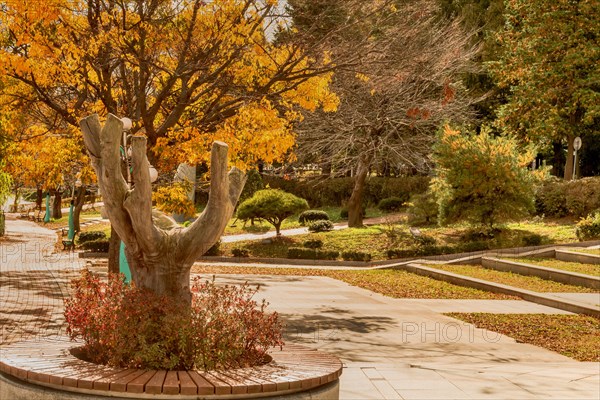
[{"x": 188, "y": 73}]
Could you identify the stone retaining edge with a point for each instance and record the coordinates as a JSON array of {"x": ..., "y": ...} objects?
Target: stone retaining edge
[
  {"x": 534, "y": 297},
  {"x": 295, "y": 371},
  {"x": 557, "y": 275},
  {"x": 16, "y": 389},
  {"x": 472, "y": 257},
  {"x": 574, "y": 256}
]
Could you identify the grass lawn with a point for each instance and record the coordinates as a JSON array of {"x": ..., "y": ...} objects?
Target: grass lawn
[
  {"x": 392, "y": 283},
  {"x": 101, "y": 226},
  {"x": 575, "y": 336},
  {"x": 375, "y": 239},
  {"x": 63, "y": 222},
  {"x": 508, "y": 278},
  {"x": 235, "y": 227},
  {"x": 588, "y": 269}
]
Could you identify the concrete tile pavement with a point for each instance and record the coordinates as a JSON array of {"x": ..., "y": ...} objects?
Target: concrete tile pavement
[{"x": 391, "y": 348}]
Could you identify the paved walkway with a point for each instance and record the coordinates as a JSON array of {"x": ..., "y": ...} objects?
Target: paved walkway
[{"x": 391, "y": 348}]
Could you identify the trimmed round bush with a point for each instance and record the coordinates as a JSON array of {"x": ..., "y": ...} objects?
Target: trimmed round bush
[
  {"x": 313, "y": 244},
  {"x": 532, "y": 240},
  {"x": 91, "y": 235},
  {"x": 272, "y": 205},
  {"x": 320, "y": 226},
  {"x": 391, "y": 204},
  {"x": 96, "y": 246},
  {"x": 240, "y": 252},
  {"x": 356, "y": 256},
  {"x": 312, "y": 254},
  {"x": 312, "y": 215}
]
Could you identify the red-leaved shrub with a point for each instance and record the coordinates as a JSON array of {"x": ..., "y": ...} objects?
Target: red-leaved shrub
[{"x": 125, "y": 326}]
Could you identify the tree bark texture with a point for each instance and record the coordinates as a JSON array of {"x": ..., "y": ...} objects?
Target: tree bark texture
[
  {"x": 569, "y": 165},
  {"x": 57, "y": 205},
  {"x": 79, "y": 202},
  {"x": 160, "y": 258},
  {"x": 39, "y": 198},
  {"x": 355, "y": 214}
]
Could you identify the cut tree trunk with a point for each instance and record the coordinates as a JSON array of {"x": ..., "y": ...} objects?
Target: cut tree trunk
[
  {"x": 355, "y": 213},
  {"x": 160, "y": 258}
]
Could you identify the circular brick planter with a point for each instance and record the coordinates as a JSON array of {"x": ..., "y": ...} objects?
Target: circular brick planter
[{"x": 46, "y": 369}]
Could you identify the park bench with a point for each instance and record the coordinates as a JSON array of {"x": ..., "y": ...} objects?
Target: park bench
[
  {"x": 39, "y": 216},
  {"x": 36, "y": 216},
  {"x": 69, "y": 242},
  {"x": 25, "y": 214}
]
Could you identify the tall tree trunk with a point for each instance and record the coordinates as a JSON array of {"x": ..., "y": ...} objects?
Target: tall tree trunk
[
  {"x": 355, "y": 214},
  {"x": 558, "y": 159},
  {"x": 17, "y": 196},
  {"x": 160, "y": 258},
  {"x": 39, "y": 198},
  {"x": 114, "y": 250},
  {"x": 78, "y": 206},
  {"x": 57, "y": 205},
  {"x": 569, "y": 165}
]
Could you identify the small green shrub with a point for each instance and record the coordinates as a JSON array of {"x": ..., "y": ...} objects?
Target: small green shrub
[
  {"x": 312, "y": 215},
  {"x": 589, "y": 227},
  {"x": 356, "y": 256},
  {"x": 532, "y": 240},
  {"x": 473, "y": 246},
  {"x": 312, "y": 254},
  {"x": 240, "y": 252},
  {"x": 422, "y": 209},
  {"x": 424, "y": 240},
  {"x": 400, "y": 253},
  {"x": 320, "y": 226},
  {"x": 128, "y": 327},
  {"x": 313, "y": 244},
  {"x": 391, "y": 204},
  {"x": 96, "y": 246},
  {"x": 420, "y": 251},
  {"x": 91, "y": 235},
  {"x": 482, "y": 178}
]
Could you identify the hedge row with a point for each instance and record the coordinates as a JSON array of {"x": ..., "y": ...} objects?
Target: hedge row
[
  {"x": 558, "y": 198},
  {"x": 336, "y": 191}
]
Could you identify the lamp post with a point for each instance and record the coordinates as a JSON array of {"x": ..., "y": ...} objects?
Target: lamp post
[{"x": 576, "y": 146}]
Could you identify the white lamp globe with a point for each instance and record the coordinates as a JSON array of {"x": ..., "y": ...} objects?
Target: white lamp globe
[
  {"x": 153, "y": 173},
  {"x": 127, "y": 123}
]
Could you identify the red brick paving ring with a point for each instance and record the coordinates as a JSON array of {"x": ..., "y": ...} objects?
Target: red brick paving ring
[{"x": 46, "y": 369}]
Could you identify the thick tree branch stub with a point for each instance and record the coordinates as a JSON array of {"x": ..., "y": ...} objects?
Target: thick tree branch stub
[
  {"x": 90, "y": 126},
  {"x": 237, "y": 180},
  {"x": 102, "y": 143},
  {"x": 225, "y": 189},
  {"x": 138, "y": 202}
]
